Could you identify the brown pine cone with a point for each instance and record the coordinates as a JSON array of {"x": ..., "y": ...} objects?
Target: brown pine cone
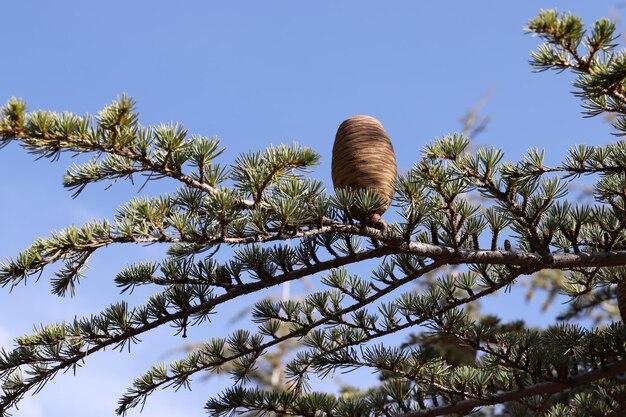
[{"x": 363, "y": 157}]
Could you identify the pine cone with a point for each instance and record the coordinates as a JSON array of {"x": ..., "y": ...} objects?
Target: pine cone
[{"x": 363, "y": 157}]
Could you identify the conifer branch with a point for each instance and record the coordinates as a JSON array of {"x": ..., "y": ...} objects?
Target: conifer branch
[
  {"x": 465, "y": 406},
  {"x": 15, "y": 271},
  {"x": 421, "y": 318},
  {"x": 139, "y": 392},
  {"x": 40, "y": 377}
]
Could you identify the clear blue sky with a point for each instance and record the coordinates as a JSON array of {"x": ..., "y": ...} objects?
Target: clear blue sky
[{"x": 254, "y": 73}]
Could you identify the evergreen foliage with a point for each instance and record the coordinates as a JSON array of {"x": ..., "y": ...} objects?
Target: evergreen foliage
[{"x": 521, "y": 223}]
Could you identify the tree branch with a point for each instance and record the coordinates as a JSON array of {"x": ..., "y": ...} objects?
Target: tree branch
[
  {"x": 302, "y": 331},
  {"x": 395, "y": 245},
  {"x": 15, "y": 395},
  {"x": 552, "y": 387}
]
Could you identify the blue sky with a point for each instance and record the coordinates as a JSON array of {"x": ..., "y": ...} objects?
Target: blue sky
[{"x": 254, "y": 73}]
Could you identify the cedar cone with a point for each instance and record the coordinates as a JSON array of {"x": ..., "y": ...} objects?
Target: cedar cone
[{"x": 363, "y": 157}]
